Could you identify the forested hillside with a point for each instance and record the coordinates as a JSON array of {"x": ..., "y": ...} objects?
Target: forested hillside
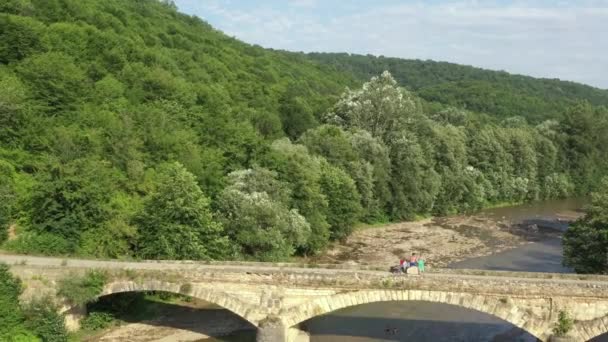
[
  {"x": 486, "y": 91},
  {"x": 128, "y": 129}
]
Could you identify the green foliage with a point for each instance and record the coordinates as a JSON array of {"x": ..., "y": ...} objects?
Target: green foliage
[
  {"x": 7, "y": 197},
  {"x": 296, "y": 167},
  {"x": 176, "y": 221},
  {"x": 493, "y": 92},
  {"x": 101, "y": 100},
  {"x": 13, "y": 108},
  {"x": 80, "y": 290},
  {"x": 71, "y": 199},
  {"x": 296, "y": 114},
  {"x": 43, "y": 320},
  {"x": 19, "y": 37},
  {"x": 257, "y": 218},
  {"x": 39, "y": 243},
  {"x": 97, "y": 321},
  {"x": 58, "y": 83},
  {"x": 564, "y": 324},
  {"x": 11, "y": 317},
  {"x": 379, "y": 107},
  {"x": 586, "y": 241},
  {"x": 343, "y": 201},
  {"x": 115, "y": 237}
]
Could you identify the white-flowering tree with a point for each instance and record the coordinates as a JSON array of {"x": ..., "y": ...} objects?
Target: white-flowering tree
[
  {"x": 257, "y": 218},
  {"x": 379, "y": 107}
]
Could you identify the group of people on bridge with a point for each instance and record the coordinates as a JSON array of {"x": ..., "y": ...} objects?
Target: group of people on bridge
[{"x": 414, "y": 261}]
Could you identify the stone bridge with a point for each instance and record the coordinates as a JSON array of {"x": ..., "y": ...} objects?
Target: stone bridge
[{"x": 277, "y": 298}]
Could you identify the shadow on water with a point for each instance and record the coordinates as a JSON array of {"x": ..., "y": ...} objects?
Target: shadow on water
[
  {"x": 601, "y": 338},
  {"x": 411, "y": 321},
  {"x": 187, "y": 314}
]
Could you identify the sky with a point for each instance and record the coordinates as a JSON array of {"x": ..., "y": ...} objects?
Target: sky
[{"x": 565, "y": 39}]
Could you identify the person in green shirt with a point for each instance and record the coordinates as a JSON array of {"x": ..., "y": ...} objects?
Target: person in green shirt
[{"x": 420, "y": 265}]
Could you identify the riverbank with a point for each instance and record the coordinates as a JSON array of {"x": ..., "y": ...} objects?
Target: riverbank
[
  {"x": 446, "y": 240},
  {"x": 177, "y": 321},
  {"x": 524, "y": 238}
]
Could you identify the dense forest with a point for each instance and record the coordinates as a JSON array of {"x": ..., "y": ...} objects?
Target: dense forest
[
  {"x": 128, "y": 129},
  {"x": 493, "y": 92}
]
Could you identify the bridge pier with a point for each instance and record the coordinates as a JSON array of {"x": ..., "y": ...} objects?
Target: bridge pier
[
  {"x": 73, "y": 315},
  {"x": 273, "y": 330}
]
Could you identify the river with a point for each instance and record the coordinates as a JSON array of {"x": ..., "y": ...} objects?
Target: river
[
  {"x": 424, "y": 321},
  {"x": 421, "y": 321}
]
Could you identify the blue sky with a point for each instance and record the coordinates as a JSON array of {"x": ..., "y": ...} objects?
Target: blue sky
[{"x": 555, "y": 39}]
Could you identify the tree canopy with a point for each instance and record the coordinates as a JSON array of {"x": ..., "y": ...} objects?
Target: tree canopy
[
  {"x": 128, "y": 129},
  {"x": 586, "y": 241}
]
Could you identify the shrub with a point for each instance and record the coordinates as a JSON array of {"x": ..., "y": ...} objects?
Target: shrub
[
  {"x": 44, "y": 321},
  {"x": 81, "y": 290},
  {"x": 563, "y": 325},
  {"x": 43, "y": 243},
  {"x": 11, "y": 317},
  {"x": 97, "y": 321}
]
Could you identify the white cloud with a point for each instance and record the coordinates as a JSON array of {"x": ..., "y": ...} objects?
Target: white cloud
[
  {"x": 565, "y": 40},
  {"x": 304, "y": 3}
]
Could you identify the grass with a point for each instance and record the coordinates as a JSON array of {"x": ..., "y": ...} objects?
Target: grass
[{"x": 79, "y": 290}]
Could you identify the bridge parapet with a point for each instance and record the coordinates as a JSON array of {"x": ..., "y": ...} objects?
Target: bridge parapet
[{"x": 258, "y": 292}]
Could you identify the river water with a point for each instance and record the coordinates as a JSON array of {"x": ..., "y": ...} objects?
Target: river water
[{"x": 423, "y": 321}]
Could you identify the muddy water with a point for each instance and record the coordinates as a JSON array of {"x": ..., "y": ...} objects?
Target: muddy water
[
  {"x": 420, "y": 321},
  {"x": 544, "y": 255}
]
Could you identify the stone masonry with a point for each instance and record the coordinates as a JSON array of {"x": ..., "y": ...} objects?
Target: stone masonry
[{"x": 276, "y": 298}]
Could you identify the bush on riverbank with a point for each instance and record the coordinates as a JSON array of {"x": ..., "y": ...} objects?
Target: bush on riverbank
[
  {"x": 79, "y": 290},
  {"x": 32, "y": 322},
  {"x": 586, "y": 241}
]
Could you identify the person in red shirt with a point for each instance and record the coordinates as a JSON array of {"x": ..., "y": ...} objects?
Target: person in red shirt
[{"x": 402, "y": 264}]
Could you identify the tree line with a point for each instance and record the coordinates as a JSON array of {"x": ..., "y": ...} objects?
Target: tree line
[
  {"x": 497, "y": 93},
  {"x": 130, "y": 130}
]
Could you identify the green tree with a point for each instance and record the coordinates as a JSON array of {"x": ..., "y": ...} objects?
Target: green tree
[
  {"x": 296, "y": 167},
  {"x": 71, "y": 199},
  {"x": 11, "y": 317},
  {"x": 176, "y": 221},
  {"x": 586, "y": 241},
  {"x": 7, "y": 197},
  {"x": 332, "y": 143},
  {"x": 19, "y": 37},
  {"x": 56, "y": 81},
  {"x": 373, "y": 158},
  {"x": 339, "y": 148},
  {"x": 379, "y": 107},
  {"x": 414, "y": 183},
  {"x": 14, "y": 106},
  {"x": 256, "y": 216},
  {"x": 296, "y": 115},
  {"x": 43, "y": 319},
  {"x": 343, "y": 201}
]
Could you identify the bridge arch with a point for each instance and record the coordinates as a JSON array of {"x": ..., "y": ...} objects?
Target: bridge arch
[
  {"x": 588, "y": 330},
  {"x": 244, "y": 310},
  {"x": 501, "y": 307}
]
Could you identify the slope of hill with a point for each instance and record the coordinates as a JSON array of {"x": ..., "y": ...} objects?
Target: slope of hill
[
  {"x": 128, "y": 129},
  {"x": 486, "y": 91}
]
